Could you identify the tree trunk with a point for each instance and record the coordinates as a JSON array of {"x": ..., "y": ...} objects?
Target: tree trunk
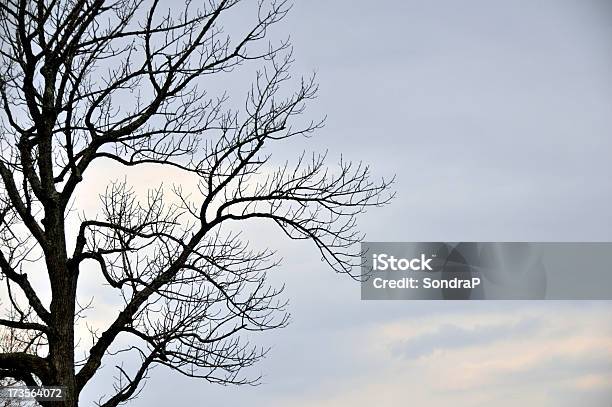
[{"x": 63, "y": 289}]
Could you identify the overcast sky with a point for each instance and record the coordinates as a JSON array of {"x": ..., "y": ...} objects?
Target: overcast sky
[{"x": 496, "y": 117}]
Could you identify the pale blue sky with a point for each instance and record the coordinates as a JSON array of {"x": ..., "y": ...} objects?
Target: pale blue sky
[{"x": 496, "y": 117}]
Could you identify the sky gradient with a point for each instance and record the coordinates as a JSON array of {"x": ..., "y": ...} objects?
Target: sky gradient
[{"x": 496, "y": 119}]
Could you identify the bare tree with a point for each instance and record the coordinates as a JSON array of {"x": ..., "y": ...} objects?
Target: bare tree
[{"x": 124, "y": 80}]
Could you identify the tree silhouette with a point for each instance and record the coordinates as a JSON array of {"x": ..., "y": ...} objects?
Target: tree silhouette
[{"x": 91, "y": 80}]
